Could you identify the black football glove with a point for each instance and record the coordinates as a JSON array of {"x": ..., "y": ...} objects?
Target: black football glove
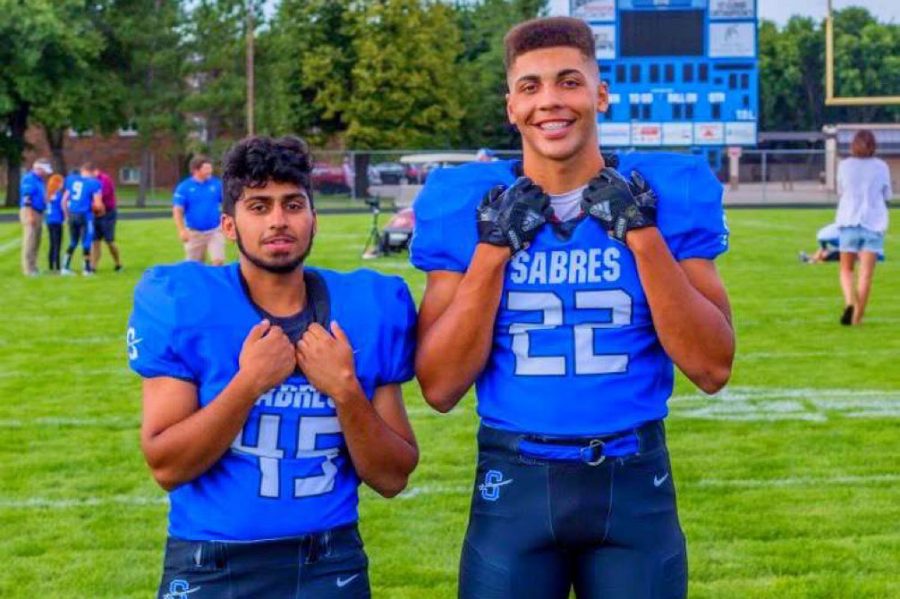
[
  {"x": 619, "y": 205},
  {"x": 511, "y": 217}
]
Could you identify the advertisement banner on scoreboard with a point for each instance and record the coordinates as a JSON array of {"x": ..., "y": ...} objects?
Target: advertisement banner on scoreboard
[
  {"x": 709, "y": 134},
  {"x": 678, "y": 134},
  {"x": 593, "y": 10},
  {"x": 731, "y": 9},
  {"x": 737, "y": 40},
  {"x": 604, "y": 41},
  {"x": 740, "y": 134},
  {"x": 614, "y": 134},
  {"x": 646, "y": 134}
]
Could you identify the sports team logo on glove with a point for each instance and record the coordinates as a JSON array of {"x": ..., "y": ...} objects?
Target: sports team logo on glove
[
  {"x": 618, "y": 204},
  {"x": 511, "y": 217}
]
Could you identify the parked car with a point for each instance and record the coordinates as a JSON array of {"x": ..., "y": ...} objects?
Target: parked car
[
  {"x": 387, "y": 173},
  {"x": 327, "y": 179}
]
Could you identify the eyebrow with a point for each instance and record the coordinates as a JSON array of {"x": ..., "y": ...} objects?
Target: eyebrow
[
  {"x": 559, "y": 75},
  {"x": 287, "y": 196}
]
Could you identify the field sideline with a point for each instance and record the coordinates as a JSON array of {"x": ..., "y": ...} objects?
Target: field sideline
[{"x": 788, "y": 480}]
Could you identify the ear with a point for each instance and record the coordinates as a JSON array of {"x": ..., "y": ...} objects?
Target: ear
[
  {"x": 509, "y": 112},
  {"x": 228, "y": 227},
  {"x": 602, "y": 96}
]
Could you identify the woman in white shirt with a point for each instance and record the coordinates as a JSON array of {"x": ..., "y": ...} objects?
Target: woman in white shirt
[{"x": 864, "y": 186}]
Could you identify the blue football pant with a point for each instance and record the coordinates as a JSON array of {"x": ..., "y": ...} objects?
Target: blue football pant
[
  {"x": 323, "y": 565},
  {"x": 539, "y": 528}
]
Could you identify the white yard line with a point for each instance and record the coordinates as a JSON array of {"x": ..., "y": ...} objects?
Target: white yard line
[{"x": 8, "y": 245}]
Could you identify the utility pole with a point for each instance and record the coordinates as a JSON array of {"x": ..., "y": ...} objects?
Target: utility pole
[{"x": 250, "y": 68}]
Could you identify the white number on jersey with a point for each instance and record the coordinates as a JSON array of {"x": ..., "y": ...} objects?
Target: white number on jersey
[
  {"x": 77, "y": 188},
  {"x": 551, "y": 305},
  {"x": 269, "y": 454}
]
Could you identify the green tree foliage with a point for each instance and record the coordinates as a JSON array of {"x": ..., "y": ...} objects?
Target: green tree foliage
[
  {"x": 215, "y": 45},
  {"x": 306, "y": 59},
  {"x": 483, "y": 76},
  {"x": 405, "y": 82},
  {"x": 792, "y": 70},
  {"x": 149, "y": 35},
  {"x": 47, "y": 47}
]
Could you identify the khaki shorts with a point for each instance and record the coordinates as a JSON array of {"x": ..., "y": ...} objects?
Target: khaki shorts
[{"x": 201, "y": 243}]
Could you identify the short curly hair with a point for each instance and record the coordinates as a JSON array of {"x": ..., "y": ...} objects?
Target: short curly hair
[{"x": 256, "y": 160}]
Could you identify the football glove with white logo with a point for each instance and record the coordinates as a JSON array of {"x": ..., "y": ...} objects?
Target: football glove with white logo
[
  {"x": 618, "y": 204},
  {"x": 511, "y": 217}
]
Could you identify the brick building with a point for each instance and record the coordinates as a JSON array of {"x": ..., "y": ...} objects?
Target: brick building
[{"x": 118, "y": 154}]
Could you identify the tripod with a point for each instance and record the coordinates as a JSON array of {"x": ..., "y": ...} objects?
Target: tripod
[{"x": 372, "y": 247}]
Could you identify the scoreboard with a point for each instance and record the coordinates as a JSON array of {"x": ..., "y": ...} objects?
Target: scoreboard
[{"x": 680, "y": 72}]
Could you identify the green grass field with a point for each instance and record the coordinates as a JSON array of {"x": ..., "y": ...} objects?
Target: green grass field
[{"x": 788, "y": 480}]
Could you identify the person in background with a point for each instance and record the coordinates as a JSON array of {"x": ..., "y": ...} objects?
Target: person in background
[
  {"x": 864, "y": 189},
  {"x": 55, "y": 220},
  {"x": 105, "y": 224},
  {"x": 82, "y": 195},
  {"x": 32, "y": 195},
  {"x": 196, "y": 207}
]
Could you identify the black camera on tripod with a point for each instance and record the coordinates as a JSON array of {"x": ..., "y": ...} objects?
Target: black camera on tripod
[{"x": 373, "y": 202}]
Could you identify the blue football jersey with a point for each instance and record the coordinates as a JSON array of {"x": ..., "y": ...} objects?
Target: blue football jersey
[
  {"x": 81, "y": 192},
  {"x": 288, "y": 472},
  {"x": 574, "y": 350}
]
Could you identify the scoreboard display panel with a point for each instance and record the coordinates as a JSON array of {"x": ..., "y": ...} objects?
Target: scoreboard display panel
[{"x": 680, "y": 72}]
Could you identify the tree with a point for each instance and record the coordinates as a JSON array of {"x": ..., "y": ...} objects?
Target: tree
[
  {"x": 215, "y": 43},
  {"x": 792, "y": 70},
  {"x": 405, "y": 83},
  {"x": 482, "y": 72},
  {"x": 47, "y": 47},
  {"x": 308, "y": 56},
  {"x": 149, "y": 35}
]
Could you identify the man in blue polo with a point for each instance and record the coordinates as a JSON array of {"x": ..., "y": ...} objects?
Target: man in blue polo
[
  {"x": 196, "y": 209},
  {"x": 31, "y": 213}
]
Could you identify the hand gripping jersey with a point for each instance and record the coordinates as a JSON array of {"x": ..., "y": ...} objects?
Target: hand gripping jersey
[
  {"x": 288, "y": 472},
  {"x": 574, "y": 350}
]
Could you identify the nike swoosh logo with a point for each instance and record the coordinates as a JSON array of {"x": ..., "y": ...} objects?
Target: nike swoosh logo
[
  {"x": 342, "y": 582},
  {"x": 660, "y": 480}
]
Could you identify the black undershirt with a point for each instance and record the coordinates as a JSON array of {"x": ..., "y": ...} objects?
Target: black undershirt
[{"x": 317, "y": 307}]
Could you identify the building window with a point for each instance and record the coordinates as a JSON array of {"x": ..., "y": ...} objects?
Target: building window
[
  {"x": 129, "y": 175},
  {"x": 128, "y": 130},
  {"x": 85, "y": 133}
]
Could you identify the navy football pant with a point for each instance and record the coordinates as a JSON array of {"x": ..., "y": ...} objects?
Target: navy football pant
[
  {"x": 539, "y": 527},
  {"x": 323, "y": 565}
]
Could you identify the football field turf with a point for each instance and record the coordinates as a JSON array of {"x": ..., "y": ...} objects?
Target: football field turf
[{"x": 788, "y": 481}]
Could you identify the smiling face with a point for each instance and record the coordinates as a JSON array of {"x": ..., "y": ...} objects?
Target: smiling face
[
  {"x": 554, "y": 96},
  {"x": 273, "y": 226}
]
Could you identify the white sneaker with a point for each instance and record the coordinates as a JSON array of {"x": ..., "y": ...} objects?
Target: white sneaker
[
  {"x": 87, "y": 273},
  {"x": 66, "y": 272}
]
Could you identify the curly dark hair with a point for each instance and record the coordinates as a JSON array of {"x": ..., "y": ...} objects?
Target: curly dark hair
[{"x": 256, "y": 160}]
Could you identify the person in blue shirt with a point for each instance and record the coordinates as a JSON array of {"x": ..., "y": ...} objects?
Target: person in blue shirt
[
  {"x": 565, "y": 287},
  {"x": 32, "y": 202},
  {"x": 82, "y": 194},
  {"x": 196, "y": 207},
  {"x": 270, "y": 390},
  {"x": 55, "y": 220}
]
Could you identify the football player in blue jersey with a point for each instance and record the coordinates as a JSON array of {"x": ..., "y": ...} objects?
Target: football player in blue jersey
[
  {"x": 82, "y": 193},
  {"x": 270, "y": 390},
  {"x": 565, "y": 291}
]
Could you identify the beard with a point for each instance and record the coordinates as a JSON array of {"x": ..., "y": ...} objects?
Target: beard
[{"x": 278, "y": 268}]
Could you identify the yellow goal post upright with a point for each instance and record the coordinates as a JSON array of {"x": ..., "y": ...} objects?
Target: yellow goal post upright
[{"x": 830, "y": 99}]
